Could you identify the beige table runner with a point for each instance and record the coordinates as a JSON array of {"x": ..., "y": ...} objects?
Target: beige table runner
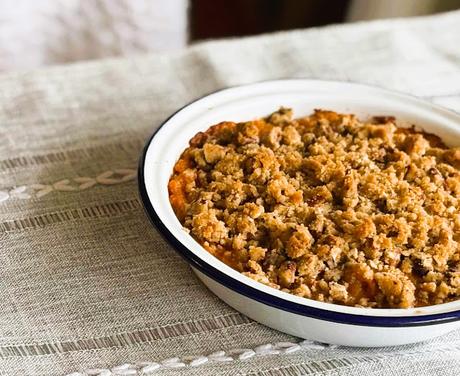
[{"x": 88, "y": 287}]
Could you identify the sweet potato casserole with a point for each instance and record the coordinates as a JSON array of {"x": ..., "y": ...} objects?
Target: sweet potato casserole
[{"x": 327, "y": 207}]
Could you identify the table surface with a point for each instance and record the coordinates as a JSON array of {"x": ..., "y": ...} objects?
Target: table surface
[{"x": 88, "y": 287}]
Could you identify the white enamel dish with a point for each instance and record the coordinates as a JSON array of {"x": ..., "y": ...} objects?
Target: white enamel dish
[{"x": 310, "y": 319}]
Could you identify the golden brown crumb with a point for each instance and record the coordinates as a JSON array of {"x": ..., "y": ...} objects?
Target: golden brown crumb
[{"x": 327, "y": 207}]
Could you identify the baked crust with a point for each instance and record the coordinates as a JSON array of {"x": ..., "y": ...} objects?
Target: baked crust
[{"x": 327, "y": 207}]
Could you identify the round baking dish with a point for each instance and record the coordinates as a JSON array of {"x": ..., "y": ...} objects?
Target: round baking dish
[{"x": 298, "y": 316}]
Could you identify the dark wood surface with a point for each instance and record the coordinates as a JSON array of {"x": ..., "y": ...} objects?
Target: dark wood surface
[{"x": 226, "y": 18}]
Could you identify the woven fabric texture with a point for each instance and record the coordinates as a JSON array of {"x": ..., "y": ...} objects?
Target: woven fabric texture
[{"x": 86, "y": 283}]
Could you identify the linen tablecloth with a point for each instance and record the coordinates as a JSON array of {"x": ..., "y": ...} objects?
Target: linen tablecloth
[{"x": 88, "y": 287}]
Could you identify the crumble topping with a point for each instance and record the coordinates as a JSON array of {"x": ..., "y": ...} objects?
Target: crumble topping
[{"x": 327, "y": 207}]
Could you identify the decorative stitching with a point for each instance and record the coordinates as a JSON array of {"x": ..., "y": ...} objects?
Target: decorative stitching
[
  {"x": 332, "y": 365},
  {"x": 147, "y": 368},
  {"x": 79, "y": 183},
  {"x": 278, "y": 348}
]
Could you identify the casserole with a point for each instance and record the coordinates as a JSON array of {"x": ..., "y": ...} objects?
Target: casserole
[{"x": 324, "y": 322}]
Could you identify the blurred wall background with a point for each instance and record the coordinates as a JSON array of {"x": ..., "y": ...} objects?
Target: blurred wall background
[
  {"x": 373, "y": 9},
  {"x": 42, "y": 32},
  {"x": 35, "y": 33}
]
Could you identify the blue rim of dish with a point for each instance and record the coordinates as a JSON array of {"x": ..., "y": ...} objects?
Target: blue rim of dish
[{"x": 258, "y": 295}]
